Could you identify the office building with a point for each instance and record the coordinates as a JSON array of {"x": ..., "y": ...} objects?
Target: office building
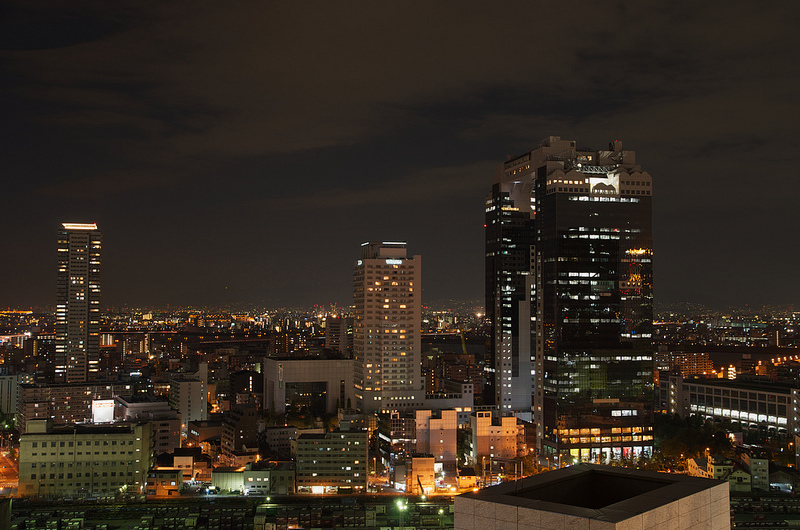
[
  {"x": 569, "y": 297},
  {"x": 765, "y": 406},
  {"x": 332, "y": 462},
  {"x": 386, "y": 329},
  {"x": 510, "y": 290},
  {"x": 597, "y": 497},
  {"x": 339, "y": 334},
  {"x": 239, "y": 443},
  {"x": 756, "y": 463},
  {"x": 320, "y": 384},
  {"x": 78, "y": 303},
  {"x": 84, "y": 460}
]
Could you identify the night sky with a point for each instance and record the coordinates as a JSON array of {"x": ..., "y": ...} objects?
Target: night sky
[{"x": 240, "y": 152}]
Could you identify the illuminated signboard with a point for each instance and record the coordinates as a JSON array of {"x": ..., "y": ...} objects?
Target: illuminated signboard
[{"x": 102, "y": 410}]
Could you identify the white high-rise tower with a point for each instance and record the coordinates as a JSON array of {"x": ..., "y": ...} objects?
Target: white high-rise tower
[{"x": 386, "y": 329}]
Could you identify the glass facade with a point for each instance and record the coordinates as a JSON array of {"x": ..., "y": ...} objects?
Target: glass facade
[
  {"x": 585, "y": 270},
  {"x": 509, "y": 229}
]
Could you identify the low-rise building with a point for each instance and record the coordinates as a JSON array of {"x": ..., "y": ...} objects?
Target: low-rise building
[
  {"x": 262, "y": 478},
  {"x": 757, "y": 464},
  {"x": 764, "y": 406},
  {"x": 493, "y": 436},
  {"x": 84, "y": 460},
  {"x": 165, "y": 420},
  {"x": 720, "y": 468},
  {"x": 164, "y": 482},
  {"x": 333, "y": 462},
  {"x": 437, "y": 434},
  {"x": 206, "y": 434}
]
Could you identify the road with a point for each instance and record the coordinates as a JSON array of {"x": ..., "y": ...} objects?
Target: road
[{"x": 9, "y": 472}]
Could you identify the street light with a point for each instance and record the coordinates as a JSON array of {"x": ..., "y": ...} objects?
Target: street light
[{"x": 401, "y": 507}]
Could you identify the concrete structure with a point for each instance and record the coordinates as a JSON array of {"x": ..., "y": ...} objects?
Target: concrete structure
[
  {"x": 339, "y": 334},
  {"x": 597, "y": 497},
  {"x": 386, "y": 329},
  {"x": 193, "y": 464},
  {"x": 720, "y": 468},
  {"x": 281, "y": 439},
  {"x": 84, "y": 460},
  {"x": 492, "y": 436},
  {"x": 165, "y": 420},
  {"x": 9, "y": 390},
  {"x": 437, "y": 434},
  {"x": 765, "y": 406},
  {"x": 318, "y": 383},
  {"x": 756, "y": 464},
  {"x": 63, "y": 402},
  {"x": 205, "y": 434},
  {"x": 78, "y": 303},
  {"x": 456, "y": 395},
  {"x": 420, "y": 476},
  {"x": 268, "y": 478},
  {"x": 164, "y": 482},
  {"x": 333, "y": 462},
  {"x": 188, "y": 394},
  {"x": 240, "y": 435},
  {"x": 415, "y": 475}
]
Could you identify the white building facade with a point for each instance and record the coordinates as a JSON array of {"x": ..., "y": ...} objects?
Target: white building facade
[{"x": 386, "y": 331}]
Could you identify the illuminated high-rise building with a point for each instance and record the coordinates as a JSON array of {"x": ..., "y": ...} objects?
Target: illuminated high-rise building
[
  {"x": 78, "y": 303},
  {"x": 569, "y": 295},
  {"x": 386, "y": 328}
]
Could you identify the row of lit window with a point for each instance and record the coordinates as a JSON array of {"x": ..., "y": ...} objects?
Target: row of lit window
[{"x": 608, "y": 439}]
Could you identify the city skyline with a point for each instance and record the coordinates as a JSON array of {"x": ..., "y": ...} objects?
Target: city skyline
[{"x": 218, "y": 161}]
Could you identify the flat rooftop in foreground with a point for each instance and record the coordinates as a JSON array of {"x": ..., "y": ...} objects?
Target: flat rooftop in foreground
[{"x": 602, "y": 493}]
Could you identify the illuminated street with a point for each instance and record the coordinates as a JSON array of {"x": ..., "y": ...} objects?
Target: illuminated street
[{"x": 9, "y": 476}]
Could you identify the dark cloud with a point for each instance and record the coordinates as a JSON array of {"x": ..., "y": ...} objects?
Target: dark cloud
[{"x": 246, "y": 149}]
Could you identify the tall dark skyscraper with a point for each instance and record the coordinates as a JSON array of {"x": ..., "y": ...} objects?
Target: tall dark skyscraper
[
  {"x": 78, "y": 303},
  {"x": 569, "y": 293}
]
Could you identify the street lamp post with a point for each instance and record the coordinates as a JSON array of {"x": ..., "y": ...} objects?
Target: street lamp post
[{"x": 401, "y": 507}]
